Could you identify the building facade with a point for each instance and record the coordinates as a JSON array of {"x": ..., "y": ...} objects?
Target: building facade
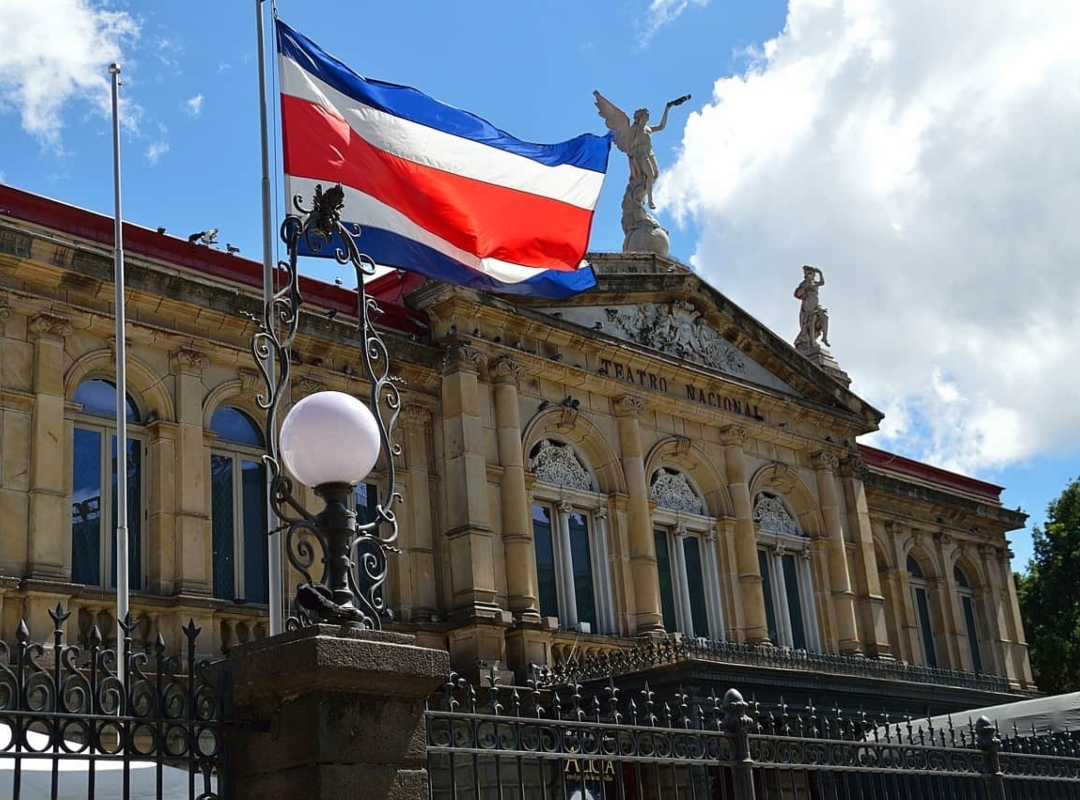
[{"x": 645, "y": 459}]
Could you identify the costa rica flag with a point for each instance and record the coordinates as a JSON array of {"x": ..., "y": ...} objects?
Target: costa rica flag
[{"x": 435, "y": 189}]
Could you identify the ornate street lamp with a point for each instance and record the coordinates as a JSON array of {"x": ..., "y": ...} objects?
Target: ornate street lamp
[{"x": 329, "y": 441}]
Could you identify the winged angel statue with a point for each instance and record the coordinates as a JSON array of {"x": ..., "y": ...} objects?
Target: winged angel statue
[{"x": 635, "y": 139}]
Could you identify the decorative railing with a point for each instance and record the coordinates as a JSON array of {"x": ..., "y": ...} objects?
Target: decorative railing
[
  {"x": 677, "y": 649},
  {"x": 100, "y": 722},
  {"x": 578, "y": 742}
]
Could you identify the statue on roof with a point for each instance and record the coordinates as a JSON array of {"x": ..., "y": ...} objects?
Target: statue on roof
[
  {"x": 813, "y": 317},
  {"x": 643, "y": 232}
]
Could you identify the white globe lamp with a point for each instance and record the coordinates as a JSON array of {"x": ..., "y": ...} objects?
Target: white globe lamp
[{"x": 329, "y": 437}]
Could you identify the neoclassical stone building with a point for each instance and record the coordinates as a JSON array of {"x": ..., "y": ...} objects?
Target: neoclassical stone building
[{"x": 642, "y": 460}]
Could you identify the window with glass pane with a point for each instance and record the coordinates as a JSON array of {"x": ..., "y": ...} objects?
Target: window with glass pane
[
  {"x": 972, "y": 632},
  {"x": 93, "y": 509},
  {"x": 926, "y": 632},
  {"x": 794, "y": 602},
  {"x": 667, "y": 586},
  {"x": 238, "y": 509},
  {"x": 546, "y": 582},
  {"x": 696, "y": 584},
  {"x": 766, "y": 591},
  {"x": 365, "y": 501},
  {"x": 581, "y": 558}
]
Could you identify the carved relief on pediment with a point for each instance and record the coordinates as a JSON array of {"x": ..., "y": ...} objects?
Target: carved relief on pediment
[
  {"x": 679, "y": 329},
  {"x": 671, "y": 490},
  {"x": 557, "y": 464},
  {"x": 771, "y": 515}
]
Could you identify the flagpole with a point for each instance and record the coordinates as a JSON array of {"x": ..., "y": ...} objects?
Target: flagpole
[
  {"x": 274, "y": 545},
  {"x": 120, "y": 459}
]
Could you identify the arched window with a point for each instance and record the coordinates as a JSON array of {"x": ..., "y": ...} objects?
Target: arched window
[
  {"x": 94, "y": 484},
  {"x": 967, "y": 609},
  {"x": 686, "y": 560},
  {"x": 238, "y": 508},
  {"x": 922, "y": 610},
  {"x": 786, "y": 580},
  {"x": 570, "y": 540}
]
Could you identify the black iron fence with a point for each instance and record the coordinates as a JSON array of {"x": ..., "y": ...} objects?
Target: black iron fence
[
  {"x": 96, "y": 722},
  {"x": 678, "y": 649},
  {"x": 519, "y": 744}
]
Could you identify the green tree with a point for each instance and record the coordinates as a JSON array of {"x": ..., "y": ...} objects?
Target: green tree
[{"x": 1050, "y": 596}]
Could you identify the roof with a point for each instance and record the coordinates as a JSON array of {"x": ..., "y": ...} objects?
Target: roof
[
  {"x": 909, "y": 468},
  {"x": 94, "y": 227}
]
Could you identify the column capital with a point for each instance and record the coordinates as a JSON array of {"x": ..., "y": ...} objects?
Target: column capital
[
  {"x": 50, "y": 326},
  {"x": 733, "y": 436},
  {"x": 566, "y": 507},
  {"x": 628, "y": 406},
  {"x": 854, "y": 467},
  {"x": 414, "y": 415},
  {"x": 506, "y": 370},
  {"x": 463, "y": 356},
  {"x": 601, "y": 513},
  {"x": 188, "y": 360},
  {"x": 680, "y": 530},
  {"x": 894, "y": 528},
  {"x": 824, "y": 460}
]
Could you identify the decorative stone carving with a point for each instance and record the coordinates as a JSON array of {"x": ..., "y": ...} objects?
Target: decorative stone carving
[
  {"x": 188, "y": 360},
  {"x": 50, "y": 325},
  {"x": 772, "y": 516},
  {"x": 779, "y": 549},
  {"x": 805, "y": 554},
  {"x": 506, "y": 370},
  {"x": 5, "y": 310},
  {"x": 733, "y": 436},
  {"x": 601, "y": 513},
  {"x": 566, "y": 507},
  {"x": 568, "y": 413},
  {"x": 825, "y": 460},
  {"x": 465, "y": 356},
  {"x": 671, "y": 490},
  {"x": 557, "y": 464},
  {"x": 855, "y": 467},
  {"x": 680, "y": 531},
  {"x": 682, "y": 446},
  {"x": 627, "y": 406},
  {"x": 678, "y": 329},
  {"x": 306, "y": 385},
  {"x": 250, "y": 381},
  {"x": 783, "y": 478}
]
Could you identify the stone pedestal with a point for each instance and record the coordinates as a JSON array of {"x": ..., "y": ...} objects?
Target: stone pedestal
[
  {"x": 823, "y": 358},
  {"x": 346, "y": 715}
]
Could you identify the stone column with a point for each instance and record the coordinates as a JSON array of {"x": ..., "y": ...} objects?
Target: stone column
[
  {"x": 682, "y": 587},
  {"x": 49, "y": 554},
  {"x": 993, "y": 606},
  {"x": 193, "y": 571},
  {"x": 565, "y": 557},
  {"x": 1020, "y": 659},
  {"x": 521, "y": 587},
  {"x": 871, "y": 602},
  {"x": 639, "y": 520},
  {"x": 953, "y": 628},
  {"x": 825, "y": 464},
  {"x": 469, "y": 531},
  {"x": 756, "y": 629},
  {"x": 346, "y": 710},
  {"x": 605, "y": 610},
  {"x": 712, "y": 585},
  {"x": 423, "y": 591},
  {"x": 15, "y": 433}
]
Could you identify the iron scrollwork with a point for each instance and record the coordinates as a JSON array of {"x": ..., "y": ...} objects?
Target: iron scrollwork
[{"x": 366, "y": 545}]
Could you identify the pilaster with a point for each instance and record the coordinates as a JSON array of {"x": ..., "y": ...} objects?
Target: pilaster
[
  {"x": 521, "y": 582},
  {"x": 875, "y": 635},
  {"x": 423, "y": 580},
  {"x": 470, "y": 535},
  {"x": 49, "y": 548},
  {"x": 191, "y": 538},
  {"x": 825, "y": 465},
  {"x": 647, "y": 610},
  {"x": 755, "y": 628}
]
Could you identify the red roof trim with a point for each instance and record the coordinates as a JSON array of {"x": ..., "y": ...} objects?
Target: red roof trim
[
  {"x": 941, "y": 477},
  {"x": 98, "y": 228}
]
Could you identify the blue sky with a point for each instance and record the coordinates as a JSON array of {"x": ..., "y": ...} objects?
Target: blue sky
[{"x": 812, "y": 136}]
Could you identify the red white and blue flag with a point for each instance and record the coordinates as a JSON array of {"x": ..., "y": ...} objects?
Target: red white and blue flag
[{"x": 435, "y": 189}]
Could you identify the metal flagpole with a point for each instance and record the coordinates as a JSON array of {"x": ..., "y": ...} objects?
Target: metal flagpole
[
  {"x": 274, "y": 545},
  {"x": 120, "y": 459}
]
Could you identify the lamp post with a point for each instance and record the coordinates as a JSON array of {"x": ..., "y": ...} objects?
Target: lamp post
[{"x": 329, "y": 441}]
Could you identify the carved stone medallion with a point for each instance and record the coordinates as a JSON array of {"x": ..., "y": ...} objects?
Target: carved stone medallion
[
  {"x": 672, "y": 491},
  {"x": 772, "y": 516},
  {"x": 558, "y": 465}
]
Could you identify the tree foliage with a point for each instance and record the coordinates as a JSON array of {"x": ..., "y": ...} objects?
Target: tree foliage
[{"x": 1050, "y": 596}]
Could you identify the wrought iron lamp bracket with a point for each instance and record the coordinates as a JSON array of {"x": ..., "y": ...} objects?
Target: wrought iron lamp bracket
[{"x": 351, "y": 599}]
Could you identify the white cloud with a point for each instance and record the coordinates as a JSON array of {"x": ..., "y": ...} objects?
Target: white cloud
[
  {"x": 193, "y": 106},
  {"x": 924, "y": 155},
  {"x": 156, "y": 150},
  {"x": 662, "y": 12},
  {"x": 52, "y": 53}
]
